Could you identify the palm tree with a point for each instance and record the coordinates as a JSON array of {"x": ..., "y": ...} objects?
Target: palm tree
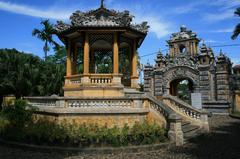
[
  {"x": 45, "y": 34},
  {"x": 236, "y": 31}
]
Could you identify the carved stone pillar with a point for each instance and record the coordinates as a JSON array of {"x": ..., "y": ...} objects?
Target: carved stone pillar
[
  {"x": 175, "y": 133},
  {"x": 191, "y": 48}
]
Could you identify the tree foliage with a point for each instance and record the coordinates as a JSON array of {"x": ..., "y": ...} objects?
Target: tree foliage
[
  {"x": 236, "y": 31},
  {"x": 46, "y": 35},
  {"x": 27, "y": 75}
]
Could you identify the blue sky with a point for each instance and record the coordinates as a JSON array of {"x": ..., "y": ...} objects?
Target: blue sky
[{"x": 212, "y": 20}]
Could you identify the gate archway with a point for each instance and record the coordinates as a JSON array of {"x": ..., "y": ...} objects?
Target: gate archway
[
  {"x": 182, "y": 88},
  {"x": 174, "y": 76}
]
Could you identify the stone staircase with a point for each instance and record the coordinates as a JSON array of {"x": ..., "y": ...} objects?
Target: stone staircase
[
  {"x": 189, "y": 130},
  {"x": 194, "y": 121}
]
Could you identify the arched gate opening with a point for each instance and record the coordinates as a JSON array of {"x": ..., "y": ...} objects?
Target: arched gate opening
[{"x": 182, "y": 88}]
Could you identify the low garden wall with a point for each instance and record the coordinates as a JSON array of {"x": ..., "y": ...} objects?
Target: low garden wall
[{"x": 18, "y": 124}]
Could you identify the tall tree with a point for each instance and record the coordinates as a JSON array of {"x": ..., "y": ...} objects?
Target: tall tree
[
  {"x": 18, "y": 73},
  {"x": 236, "y": 31},
  {"x": 46, "y": 35}
]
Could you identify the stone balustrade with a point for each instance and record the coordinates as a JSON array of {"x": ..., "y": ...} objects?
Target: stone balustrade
[
  {"x": 129, "y": 104},
  {"x": 94, "y": 79},
  {"x": 62, "y": 102},
  {"x": 73, "y": 80},
  {"x": 98, "y": 103},
  {"x": 159, "y": 106},
  {"x": 175, "y": 133},
  {"x": 42, "y": 103},
  {"x": 101, "y": 78},
  {"x": 196, "y": 116}
]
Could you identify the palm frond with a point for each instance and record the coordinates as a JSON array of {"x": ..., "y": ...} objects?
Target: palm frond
[
  {"x": 236, "y": 32},
  {"x": 237, "y": 12}
]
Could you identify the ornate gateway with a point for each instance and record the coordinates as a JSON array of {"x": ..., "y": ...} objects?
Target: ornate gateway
[{"x": 205, "y": 74}]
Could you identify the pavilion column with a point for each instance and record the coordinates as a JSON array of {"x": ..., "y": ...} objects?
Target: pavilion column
[
  {"x": 85, "y": 78},
  {"x": 69, "y": 60},
  {"x": 92, "y": 63},
  {"x": 116, "y": 76},
  {"x": 115, "y": 55},
  {"x": 75, "y": 59},
  {"x": 86, "y": 56},
  {"x": 134, "y": 76}
]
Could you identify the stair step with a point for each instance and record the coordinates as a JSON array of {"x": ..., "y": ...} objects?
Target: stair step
[
  {"x": 192, "y": 134},
  {"x": 185, "y": 123},
  {"x": 189, "y": 128}
]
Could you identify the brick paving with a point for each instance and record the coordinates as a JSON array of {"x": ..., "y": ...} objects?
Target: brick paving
[{"x": 222, "y": 143}]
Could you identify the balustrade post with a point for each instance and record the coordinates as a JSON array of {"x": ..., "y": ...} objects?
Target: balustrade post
[
  {"x": 175, "y": 133},
  {"x": 137, "y": 104},
  {"x": 204, "y": 119},
  {"x": 62, "y": 103}
]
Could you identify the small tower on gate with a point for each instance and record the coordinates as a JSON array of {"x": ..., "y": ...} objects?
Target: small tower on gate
[
  {"x": 206, "y": 56},
  {"x": 183, "y": 42}
]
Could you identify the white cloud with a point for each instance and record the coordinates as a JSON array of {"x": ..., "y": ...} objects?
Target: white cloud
[
  {"x": 186, "y": 8},
  {"x": 30, "y": 11},
  {"x": 159, "y": 27},
  {"x": 213, "y": 17},
  {"x": 227, "y": 30},
  {"x": 225, "y": 4},
  {"x": 209, "y": 41},
  {"x": 223, "y": 10},
  {"x": 235, "y": 60}
]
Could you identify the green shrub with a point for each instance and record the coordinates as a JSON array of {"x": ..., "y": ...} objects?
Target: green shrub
[
  {"x": 4, "y": 123},
  {"x": 18, "y": 113},
  {"x": 47, "y": 132},
  {"x": 16, "y": 123}
]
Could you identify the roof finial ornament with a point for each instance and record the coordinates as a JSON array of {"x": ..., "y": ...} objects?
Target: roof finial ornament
[{"x": 102, "y": 3}]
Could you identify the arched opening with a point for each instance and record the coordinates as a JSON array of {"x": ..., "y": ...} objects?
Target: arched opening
[
  {"x": 101, "y": 57},
  {"x": 182, "y": 88},
  {"x": 182, "y": 49}
]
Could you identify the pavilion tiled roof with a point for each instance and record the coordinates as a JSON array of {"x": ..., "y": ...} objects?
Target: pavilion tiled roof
[{"x": 101, "y": 17}]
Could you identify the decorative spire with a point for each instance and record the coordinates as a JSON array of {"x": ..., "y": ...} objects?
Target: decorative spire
[
  {"x": 102, "y": 3},
  {"x": 183, "y": 28},
  {"x": 221, "y": 52}
]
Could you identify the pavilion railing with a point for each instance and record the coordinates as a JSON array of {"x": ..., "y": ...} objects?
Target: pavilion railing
[
  {"x": 73, "y": 80},
  {"x": 101, "y": 78},
  {"x": 95, "y": 79}
]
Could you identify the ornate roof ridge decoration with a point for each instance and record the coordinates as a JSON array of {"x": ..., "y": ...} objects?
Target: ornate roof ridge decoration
[
  {"x": 101, "y": 17},
  {"x": 223, "y": 58},
  {"x": 180, "y": 60},
  {"x": 206, "y": 51},
  {"x": 183, "y": 34}
]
